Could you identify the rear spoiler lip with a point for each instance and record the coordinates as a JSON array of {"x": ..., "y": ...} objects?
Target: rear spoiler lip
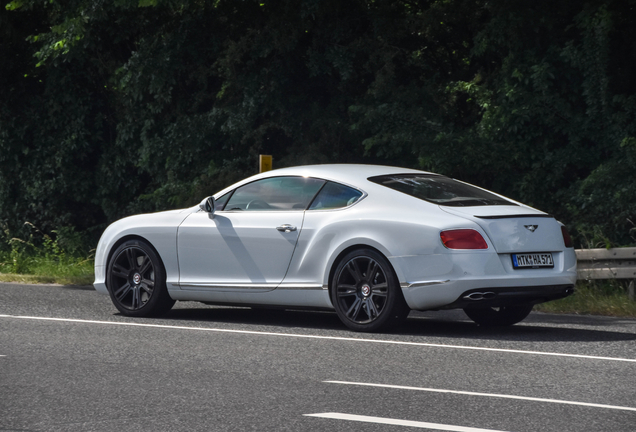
[{"x": 515, "y": 216}]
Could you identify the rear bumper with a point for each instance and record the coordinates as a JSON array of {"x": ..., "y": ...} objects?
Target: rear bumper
[
  {"x": 443, "y": 281},
  {"x": 506, "y": 296}
]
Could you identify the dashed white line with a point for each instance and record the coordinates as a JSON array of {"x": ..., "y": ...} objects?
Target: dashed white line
[
  {"x": 346, "y": 339},
  {"x": 494, "y": 395},
  {"x": 389, "y": 421}
]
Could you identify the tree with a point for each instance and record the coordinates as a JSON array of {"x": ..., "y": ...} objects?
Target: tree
[{"x": 111, "y": 108}]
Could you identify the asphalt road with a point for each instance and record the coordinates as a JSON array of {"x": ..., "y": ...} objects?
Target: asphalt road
[{"x": 70, "y": 362}]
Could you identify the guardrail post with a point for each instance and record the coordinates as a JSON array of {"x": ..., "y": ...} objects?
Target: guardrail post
[{"x": 631, "y": 291}]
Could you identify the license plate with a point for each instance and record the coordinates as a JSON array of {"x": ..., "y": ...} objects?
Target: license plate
[{"x": 532, "y": 260}]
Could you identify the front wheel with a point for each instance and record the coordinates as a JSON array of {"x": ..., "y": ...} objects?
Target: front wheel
[
  {"x": 499, "y": 316},
  {"x": 136, "y": 280},
  {"x": 365, "y": 292}
]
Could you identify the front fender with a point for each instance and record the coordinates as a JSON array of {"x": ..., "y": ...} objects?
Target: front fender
[{"x": 158, "y": 229}]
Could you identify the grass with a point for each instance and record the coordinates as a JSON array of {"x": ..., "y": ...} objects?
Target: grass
[
  {"x": 47, "y": 279},
  {"x": 38, "y": 257},
  {"x": 608, "y": 298},
  {"x": 65, "y": 271}
]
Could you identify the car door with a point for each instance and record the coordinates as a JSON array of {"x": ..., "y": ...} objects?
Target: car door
[{"x": 246, "y": 245}]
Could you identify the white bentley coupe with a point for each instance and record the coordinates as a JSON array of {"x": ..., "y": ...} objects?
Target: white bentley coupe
[{"x": 371, "y": 242}]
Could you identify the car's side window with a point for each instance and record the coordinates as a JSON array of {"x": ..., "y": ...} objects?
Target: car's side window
[
  {"x": 220, "y": 203},
  {"x": 275, "y": 194},
  {"x": 333, "y": 196}
]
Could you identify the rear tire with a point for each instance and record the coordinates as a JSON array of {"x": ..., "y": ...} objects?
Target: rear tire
[
  {"x": 499, "y": 316},
  {"x": 365, "y": 292},
  {"x": 136, "y": 280}
]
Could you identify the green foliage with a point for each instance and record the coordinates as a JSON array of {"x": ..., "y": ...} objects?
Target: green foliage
[
  {"x": 609, "y": 298},
  {"x": 604, "y": 201},
  {"x": 113, "y": 108},
  {"x": 59, "y": 255}
]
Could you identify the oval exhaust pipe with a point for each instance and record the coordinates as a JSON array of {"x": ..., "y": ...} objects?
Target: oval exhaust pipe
[{"x": 476, "y": 296}]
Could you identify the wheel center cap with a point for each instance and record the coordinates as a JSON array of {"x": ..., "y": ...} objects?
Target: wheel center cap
[
  {"x": 366, "y": 290},
  {"x": 136, "y": 278}
]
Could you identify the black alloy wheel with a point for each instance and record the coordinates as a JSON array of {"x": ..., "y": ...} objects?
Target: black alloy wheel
[
  {"x": 365, "y": 292},
  {"x": 136, "y": 280},
  {"x": 499, "y": 316}
]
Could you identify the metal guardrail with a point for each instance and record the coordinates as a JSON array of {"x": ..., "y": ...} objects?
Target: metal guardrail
[{"x": 617, "y": 263}]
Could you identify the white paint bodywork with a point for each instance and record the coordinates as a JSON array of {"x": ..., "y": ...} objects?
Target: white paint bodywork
[{"x": 240, "y": 257}]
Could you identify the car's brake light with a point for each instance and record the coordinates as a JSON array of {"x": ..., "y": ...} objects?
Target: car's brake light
[
  {"x": 463, "y": 239},
  {"x": 566, "y": 237}
]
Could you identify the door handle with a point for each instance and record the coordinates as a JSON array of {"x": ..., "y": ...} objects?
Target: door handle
[{"x": 286, "y": 228}]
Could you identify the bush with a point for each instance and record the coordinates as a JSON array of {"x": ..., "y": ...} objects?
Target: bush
[{"x": 60, "y": 254}]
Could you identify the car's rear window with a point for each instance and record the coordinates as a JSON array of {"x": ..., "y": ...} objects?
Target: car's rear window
[{"x": 440, "y": 190}]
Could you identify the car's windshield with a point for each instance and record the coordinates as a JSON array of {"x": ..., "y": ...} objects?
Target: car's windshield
[{"x": 440, "y": 190}]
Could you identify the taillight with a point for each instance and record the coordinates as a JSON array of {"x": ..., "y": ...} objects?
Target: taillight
[
  {"x": 463, "y": 239},
  {"x": 566, "y": 237}
]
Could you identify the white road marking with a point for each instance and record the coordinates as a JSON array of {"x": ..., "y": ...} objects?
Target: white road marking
[
  {"x": 623, "y": 408},
  {"x": 346, "y": 339},
  {"x": 389, "y": 421}
]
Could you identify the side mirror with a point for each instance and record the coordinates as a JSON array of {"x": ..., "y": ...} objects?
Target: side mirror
[{"x": 207, "y": 205}]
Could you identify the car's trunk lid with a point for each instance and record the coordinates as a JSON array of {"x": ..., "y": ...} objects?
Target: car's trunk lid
[{"x": 514, "y": 228}]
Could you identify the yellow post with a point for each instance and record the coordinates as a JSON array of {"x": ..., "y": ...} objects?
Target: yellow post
[{"x": 264, "y": 163}]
